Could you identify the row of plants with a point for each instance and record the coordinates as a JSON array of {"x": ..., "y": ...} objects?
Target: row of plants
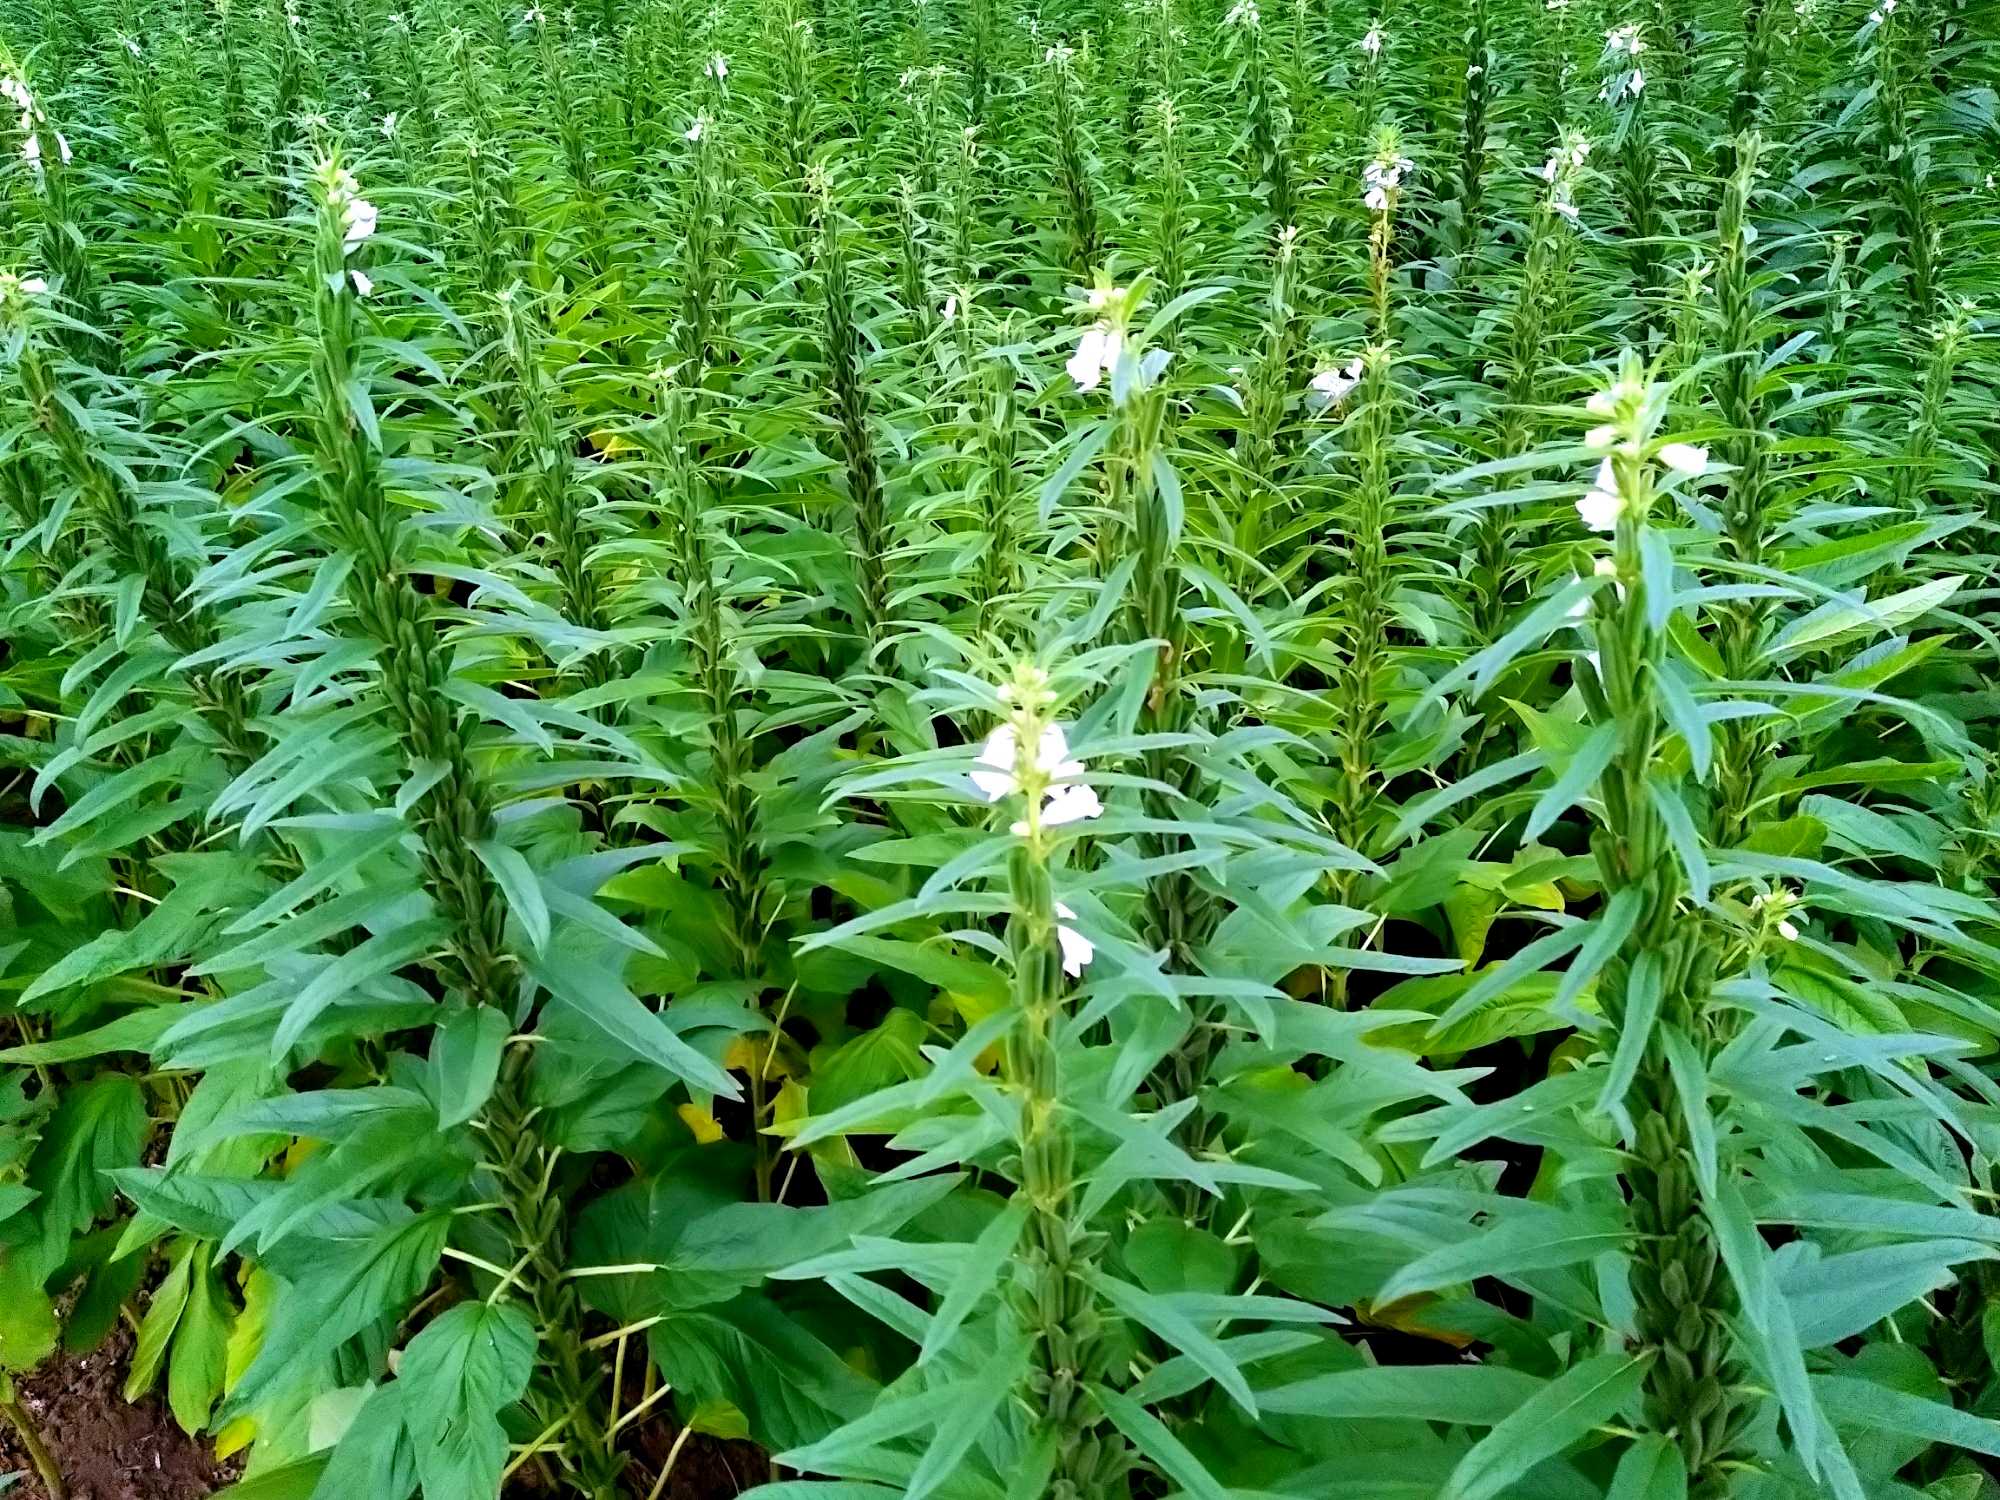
[{"x": 1083, "y": 751}]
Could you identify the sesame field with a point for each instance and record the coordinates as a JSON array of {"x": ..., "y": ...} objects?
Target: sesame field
[{"x": 989, "y": 750}]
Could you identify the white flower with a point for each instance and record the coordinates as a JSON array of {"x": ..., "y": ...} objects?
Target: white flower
[
  {"x": 950, "y": 308},
  {"x": 694, "y": 130},
  {"x": 1625, "y": 39},
  {"x": 357, "y": 223},
  {"x": 1786, "y": 930},
  {"x": 1096, "y": 352},
  {"x": 1688, "y": 459},
  {"x": 31, "y": 151},
  {"x": 1243, "y": 13},
  {"x": 1473, "y": 70},
  {"x": 1382, "y": 177},
  {"x": 15, "y": 92},
  {"x": 1337, "y": 385},
  {"x": 1636, "y": 82},
  {"x": 131, "y": 46},
  {"x": 717, "y": 67},
  {"x": 34, "y": 286},
  {"x": 389, "y": 122},
  {"x": 1601, "y": 507},
  {"x": 1077, "y": 950},
  {"x": 532, "y": 17},
  {"x": 1372, "y": 42},
  {"x": 999, "y": 772},
  {"x": 1070, "y": 804},
  {"x": 364, "y": 286}
]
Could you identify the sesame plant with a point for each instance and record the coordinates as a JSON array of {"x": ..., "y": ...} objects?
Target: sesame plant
[{"x": 968, "y": 749}]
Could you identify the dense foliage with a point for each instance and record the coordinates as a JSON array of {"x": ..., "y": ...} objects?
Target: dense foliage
[{"x": 1105, "y": 751}]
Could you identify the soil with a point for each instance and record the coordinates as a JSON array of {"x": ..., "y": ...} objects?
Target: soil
[{"x": 105, "y": 1448}]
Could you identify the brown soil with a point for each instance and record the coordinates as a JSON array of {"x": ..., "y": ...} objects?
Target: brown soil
[
  {"x": 109, "y": 1450},
  {"x": 105, "y": 1449}
]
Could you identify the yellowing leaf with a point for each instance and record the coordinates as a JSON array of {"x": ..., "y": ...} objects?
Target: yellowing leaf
[{"x": 700, "y": 1123}]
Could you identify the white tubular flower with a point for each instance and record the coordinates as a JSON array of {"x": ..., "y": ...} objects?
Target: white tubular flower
[
  {"x": 1371, "y": 43},
  {"x": 1243, "y": 13},
  {"x": 1786, "y": 930},
  {"x": 1071, "y": 803},
  {"x": 694, "y": 131},
  {"x": 389, "y": 123},
  {"x": 1337, "y": 385},
  {"x": 950, "y": 308},
  {"x": 364, "y": 285},
  {"x": 532, "y": 17},
  {"x": 1000, "y": 769},
  {"x": 1077, "y": 950},
  {"x": 1382, "y": 177},
  {"x": 717, "y": 67},
  {"x": 357, "y": 223},
  {"x": 1097, "y": 351},
  {"x": 1602, "y": 506},
  {"x": 31, "y": 152},
  {"x": 1636, "y": 82},
  {"x": 15, "y": 289},
  {"x": 17, "y": 93},
  {"x": 1625, "y": 39},
  {"x": 1687, "y": 459}
]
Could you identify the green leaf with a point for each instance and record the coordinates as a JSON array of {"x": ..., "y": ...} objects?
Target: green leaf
[
  {"x": 27, "y": 1316},
  {"x": 372, "y": 1271},
  {"x": 983, "y": 1274},
  {"x": 465, "y": 1062},
  {"x": 1152, "y": 1438},
  {"x": 457, "y": 1376},
  {"x": 1864, "y": 1403},
  {"x": 374, "y": 1456},
  {"x": 1652, "y": 1469},
  {"x": 1179, "y": 1333},
  {"x": 1469, "y": 1395},
  {"x": 521, "y": 887},
  {"x": 195, "y": 1369},
  {"x": 156, "y": 1329},
  {"x": 1528, "y": 1238},
  {"x": 1563, "y": 1412},
  {"x": 98, "y": 1127},
  {"x": 602, "y": 999},
  {"x": 1579, "y": 773}
]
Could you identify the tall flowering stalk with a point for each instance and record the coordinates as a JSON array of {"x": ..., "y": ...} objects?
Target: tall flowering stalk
[
  {"x": 1270, "y": 160},
  {"x": 454, "y": 817},
  {"x": 1905, "y": 159},
  {"x": 1267, "y": 397},
  {"x": 1026, "y": 763},
  {"x": 1638, "y": 168},
  {"x": 558, "y": 503},
  {"x": 848, "y": 399},
  {"x": 1479, "y": 63},
  {"x": 62, "y": 239},
  {"x": 722, "y": 785},
  {"x": 1746, "y": 519},
  {"x": 1948, "y": 349},
  {"x": 1170, "y": 208},
  {"x": 108, "y": 505},
  {"x": 1659, "y": 981},
  {"x": 1528, "y": 357},
  {"x": 1085, "y": 245},
  {"x": 707, "y": 246}
]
